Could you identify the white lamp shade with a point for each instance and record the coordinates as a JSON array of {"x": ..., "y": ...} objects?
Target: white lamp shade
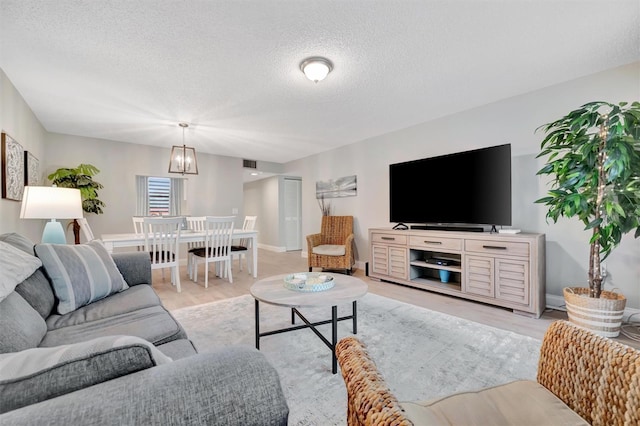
[{"x": 50, "y": 202}]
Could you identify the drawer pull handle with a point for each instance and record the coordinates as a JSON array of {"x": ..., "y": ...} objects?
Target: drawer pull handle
[
  {"x": 432, "y": 242},
  {"x": 494, "y": 247},
  {"x": 388, "y": 238}
]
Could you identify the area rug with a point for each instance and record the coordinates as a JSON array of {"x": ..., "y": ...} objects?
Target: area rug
[{"x": 422, "y": 354}]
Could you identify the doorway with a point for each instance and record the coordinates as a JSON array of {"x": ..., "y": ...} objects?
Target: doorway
[{"x": 292, "y": 213}]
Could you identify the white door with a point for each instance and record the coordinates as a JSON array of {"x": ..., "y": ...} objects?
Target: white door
[{"x": 292, "y": 213}]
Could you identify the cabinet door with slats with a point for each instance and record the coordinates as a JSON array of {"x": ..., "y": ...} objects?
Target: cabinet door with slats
[{"x": 479, "y": 276}]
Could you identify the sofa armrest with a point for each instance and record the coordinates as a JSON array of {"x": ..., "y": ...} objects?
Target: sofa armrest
[
  {"x": 135, "y": 267},
  {"x": 596, "y": 377},
  {"x": 234, "y": 386},
  {"x": 369, "y": 399}
]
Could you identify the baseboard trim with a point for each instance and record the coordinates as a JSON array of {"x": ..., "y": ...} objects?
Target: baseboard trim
[{"x": 272, "y": 248}]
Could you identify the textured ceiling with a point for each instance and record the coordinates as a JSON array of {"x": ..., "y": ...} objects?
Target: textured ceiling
[{"x": 131, "y": 70}]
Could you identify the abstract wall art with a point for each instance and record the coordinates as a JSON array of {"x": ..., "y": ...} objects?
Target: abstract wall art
[
  {"x": 337, "y": 188},
  {"x": 12, "y": 168},
  {"x": 31, "y": 169}
]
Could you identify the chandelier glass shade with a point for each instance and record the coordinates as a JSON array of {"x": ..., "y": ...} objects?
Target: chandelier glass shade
[{"x": 183, "y": 158}]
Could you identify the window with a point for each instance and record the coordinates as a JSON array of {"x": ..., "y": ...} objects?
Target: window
[{"x": 159, "y": 196}]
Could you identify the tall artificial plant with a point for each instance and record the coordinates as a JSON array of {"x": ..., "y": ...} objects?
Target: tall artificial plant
[
  {"x": 81, "y": 178},
  {"x": 594, "y": 161}
]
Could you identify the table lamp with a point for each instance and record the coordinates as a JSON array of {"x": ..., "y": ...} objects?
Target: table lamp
[{"x": 51, "y": 202}]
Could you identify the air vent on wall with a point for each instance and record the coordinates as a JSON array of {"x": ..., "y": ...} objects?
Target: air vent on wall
[{"x": 250, "y": 164}]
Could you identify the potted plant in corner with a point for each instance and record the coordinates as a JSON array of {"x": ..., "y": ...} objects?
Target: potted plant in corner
[
  {"x": 594, "y": 161},
  {"x": 81, "y": 178}
]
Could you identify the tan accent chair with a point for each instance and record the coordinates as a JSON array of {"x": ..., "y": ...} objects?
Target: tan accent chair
[
  {"x": 332, "y": 248},
  {"x": 582, "y": 379}
]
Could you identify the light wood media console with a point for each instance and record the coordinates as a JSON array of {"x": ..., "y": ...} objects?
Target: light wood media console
[{"x": 506, "y": 270}]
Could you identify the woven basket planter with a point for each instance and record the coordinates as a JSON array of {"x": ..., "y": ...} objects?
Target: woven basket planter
[{"x": 602, "y": 315}]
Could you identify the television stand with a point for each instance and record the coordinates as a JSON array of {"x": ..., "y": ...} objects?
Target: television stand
[
  {"x": 449, "y": 228},
  {"x": 506, "y": 270}
]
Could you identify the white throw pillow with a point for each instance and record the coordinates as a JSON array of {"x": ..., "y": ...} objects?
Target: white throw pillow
[{"x": 17, "y": 266}]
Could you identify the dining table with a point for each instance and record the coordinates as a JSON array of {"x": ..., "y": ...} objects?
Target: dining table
[{"x": 112, "y": 241}]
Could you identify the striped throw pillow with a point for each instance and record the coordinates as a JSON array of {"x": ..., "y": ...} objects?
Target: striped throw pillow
[{"x": 80, "y": 274}]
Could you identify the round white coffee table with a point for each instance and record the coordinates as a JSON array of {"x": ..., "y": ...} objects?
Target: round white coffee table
[{"x": 347, "y": 288}]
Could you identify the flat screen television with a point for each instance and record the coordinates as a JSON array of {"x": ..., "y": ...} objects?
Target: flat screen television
[{"x": 464, "y": 188}]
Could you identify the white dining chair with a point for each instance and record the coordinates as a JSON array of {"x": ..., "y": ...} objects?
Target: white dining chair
[
  {"x": 217, "y": 248},
  {"x": 162, "y": 241},
  {"x": 86, "y": 229},
  {"x": 240, "y": 248},
  {"x": 138, "y": 224},
  {"x": 194, "y": 224}
]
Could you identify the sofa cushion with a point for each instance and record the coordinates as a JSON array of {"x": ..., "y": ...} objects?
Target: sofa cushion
[
  {"x": 132, "y": 299},
  {"x": 515, "y": 403},
  {"x": 21, "y": 327},
  {"x": 80, "y": 274},
  {"x": 16, "y": 267},
  {"x": 18, "y": 241},
  {"x": 153, "y": 324},
  {"x": 179, "y": 348},
  {"x": 37, "y": 291},
  {"x": 329, "y": 250},
  {"x": 38, "y": 374}
]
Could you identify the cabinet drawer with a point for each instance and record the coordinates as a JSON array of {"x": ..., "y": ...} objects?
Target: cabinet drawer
[
  {"x": 512, "y": 248},
  {"x": 388, "y": 238},
  {"x": 435, "y": 243}
]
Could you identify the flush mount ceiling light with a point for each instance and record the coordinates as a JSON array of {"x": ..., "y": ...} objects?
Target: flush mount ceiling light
[
  {"x": 316, "y": 68},
  {"x": 183, "y": 158}
]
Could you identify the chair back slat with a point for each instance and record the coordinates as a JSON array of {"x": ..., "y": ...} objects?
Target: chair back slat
[
  {"x": 219, "y": 233},
  {"x": 196, "y": 224},
  {"x": 161, "y": 240},
  {"x": 86, "y": 229},
  {"x": 248, "y": 225}
]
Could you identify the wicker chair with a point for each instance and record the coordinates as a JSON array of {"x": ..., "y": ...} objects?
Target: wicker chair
[
  {"x": 597, "y": 378},
  {"x": 332, "y": 247}
]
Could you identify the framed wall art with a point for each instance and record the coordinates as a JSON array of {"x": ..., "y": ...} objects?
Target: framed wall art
[
  {"x": 342, "y": 187},
  {"x": 31, "y": 169},
  {"x": 12, "y": 168}
]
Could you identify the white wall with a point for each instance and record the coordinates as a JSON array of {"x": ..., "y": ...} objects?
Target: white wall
[
  {"x": 216, "y": 190},
  {"x": 19, "y": 122},
  {"x": 512, "y": 120},
  {"x": 261, "y": 198}
]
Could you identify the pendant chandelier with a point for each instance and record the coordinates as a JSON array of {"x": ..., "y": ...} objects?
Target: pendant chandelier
[{"x": 183, "y": 158}]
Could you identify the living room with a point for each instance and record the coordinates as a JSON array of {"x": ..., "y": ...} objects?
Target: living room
[{"x": 509, "y": 112}]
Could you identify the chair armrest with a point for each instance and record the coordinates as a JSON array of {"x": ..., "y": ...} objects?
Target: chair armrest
[
  {"x": 596, "y": 377},
  {"x": 369, "y": 399},
  {"x": 236, "y": 385},
  {"x": 135, "y": 267},
  {"x": 348, "y": 246},
  {"x": 313, "y": 240}
]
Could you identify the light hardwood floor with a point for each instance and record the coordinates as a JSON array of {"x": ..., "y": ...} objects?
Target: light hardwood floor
[{"x": 271, "y": 263}]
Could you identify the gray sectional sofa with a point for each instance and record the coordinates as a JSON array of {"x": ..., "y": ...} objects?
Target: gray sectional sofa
[{"x": 122, "y": 359}]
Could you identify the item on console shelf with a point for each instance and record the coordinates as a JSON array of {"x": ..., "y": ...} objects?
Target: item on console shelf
[
  {"x": 441, "y": 261},
  {"x": 509, "y": 231}
]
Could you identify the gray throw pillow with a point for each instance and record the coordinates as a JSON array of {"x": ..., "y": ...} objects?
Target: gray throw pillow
[
  {"x": 37, "y": 374},
  {"x": 80, "y": 274}
]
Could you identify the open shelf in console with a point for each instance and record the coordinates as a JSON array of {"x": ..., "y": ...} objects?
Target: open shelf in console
[{"x": 425, "y": 267}]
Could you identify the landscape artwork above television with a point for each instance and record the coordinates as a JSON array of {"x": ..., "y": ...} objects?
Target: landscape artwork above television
[{"x": 463, "y": 188}]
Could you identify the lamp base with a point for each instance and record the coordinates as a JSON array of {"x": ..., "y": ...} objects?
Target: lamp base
[{"x": 53, "y": 233}]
